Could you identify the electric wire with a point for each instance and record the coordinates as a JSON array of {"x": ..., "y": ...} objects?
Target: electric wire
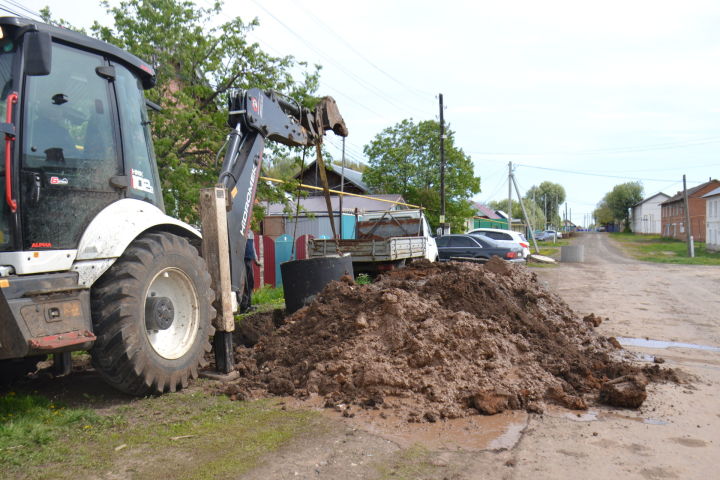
[
  {"x": 611, "y": 151},
  {"x": 371, "y": 88},
  {"x": 590, "y": 174},
  {"x": 10, "y": 11},
  {"x": 420, "y": 93},
  {"x": 24, "y": 9}
]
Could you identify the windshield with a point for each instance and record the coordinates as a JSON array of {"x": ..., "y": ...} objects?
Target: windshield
[{"x": 7, "y": 56}]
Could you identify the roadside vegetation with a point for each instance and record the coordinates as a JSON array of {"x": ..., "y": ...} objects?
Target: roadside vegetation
[
  {"x": 549, "y": 248},
  {"x": 206, "y": 436},
  {"x": 654, "y": 248},
  {"x": 268, "y": 295}
]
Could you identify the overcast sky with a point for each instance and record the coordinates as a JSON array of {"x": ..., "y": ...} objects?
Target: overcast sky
[{"x": 584, "y": 94}]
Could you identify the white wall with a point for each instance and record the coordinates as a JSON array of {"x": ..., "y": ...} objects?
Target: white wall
[
  {"x": 712, "y": 223},
  {"x": 646, "y": 216}
]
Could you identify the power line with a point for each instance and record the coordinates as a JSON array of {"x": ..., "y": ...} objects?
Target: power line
[
  {"x": 590, "y": 174},
  {"x": 371, "y": 88},
  {"x": 10, "y": 11},
  {"x": 488, "y": 198},
  {"x": 612, "y": 151},
  {"x": 24, "y": 8},
  {"x": 422, "y": 94}
]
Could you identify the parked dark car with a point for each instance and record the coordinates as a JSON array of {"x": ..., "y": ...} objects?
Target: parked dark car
[{"x": 475, "y": 246}]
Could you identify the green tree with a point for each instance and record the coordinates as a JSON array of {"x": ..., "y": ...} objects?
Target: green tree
[
  {"x": 602, "y": 214},
  {"x": 548, "y": 196},
  {"x": 621, "y": 198},
  {"x": 405, "y": 159},
  {"x": 198, "y": 61},
  {"x": 537, "y": 219}
]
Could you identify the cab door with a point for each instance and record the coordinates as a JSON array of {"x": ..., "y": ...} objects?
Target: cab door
[{"x": 69, "y": 149}]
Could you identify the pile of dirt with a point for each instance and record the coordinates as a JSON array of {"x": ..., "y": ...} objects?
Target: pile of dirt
[{"x": 440, "y": 340}]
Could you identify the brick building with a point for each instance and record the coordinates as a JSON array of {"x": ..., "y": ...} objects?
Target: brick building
[{"x": 673, "y": 212}]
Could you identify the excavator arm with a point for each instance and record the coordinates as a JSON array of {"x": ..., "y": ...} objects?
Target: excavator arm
[{"x": 256, "y": 116}]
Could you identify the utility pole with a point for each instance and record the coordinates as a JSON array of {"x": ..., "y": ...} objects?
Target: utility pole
[
  {"x": 527, "y": 219},
  {"x": 443, "y": 225},
  {"x": 510, "y": 172},
  {"x": 688, "y": 228},
  {"x": 545, "y": 210},
  {"x": 566, "y": 217}
]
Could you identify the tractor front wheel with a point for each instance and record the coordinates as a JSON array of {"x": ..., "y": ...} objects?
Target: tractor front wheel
[{"x": 152, "y": 313}]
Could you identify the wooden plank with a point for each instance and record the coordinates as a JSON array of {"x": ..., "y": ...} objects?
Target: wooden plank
[{"x": 216, "y": 252}]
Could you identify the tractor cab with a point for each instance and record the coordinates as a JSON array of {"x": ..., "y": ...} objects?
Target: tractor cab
[
  {"x": 82, "y": 221},
  {"x": 76, "y": 139}
]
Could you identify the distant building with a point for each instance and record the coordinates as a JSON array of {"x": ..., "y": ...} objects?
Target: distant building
[
  {"x": 673, "y": 212},
  {"x": 486, "y": 217},
  {"x": 353, "y": 181},
  {"x": 645, "y": 215},
  {"x": 712, "y": 220}
]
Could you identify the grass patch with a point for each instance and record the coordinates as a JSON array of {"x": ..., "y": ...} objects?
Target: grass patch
[
  {"x": 264, "y": 299},
  {"x": 550, "y": 248},
  {"x": 268, "y": 294},
  {"x": 183, "y": 435},
  {"x": 654, "y": 248},
  {"x": 33, "y": 430}
]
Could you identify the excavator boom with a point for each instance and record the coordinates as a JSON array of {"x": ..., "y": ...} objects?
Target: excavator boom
[{"x": 256, "y": 116}]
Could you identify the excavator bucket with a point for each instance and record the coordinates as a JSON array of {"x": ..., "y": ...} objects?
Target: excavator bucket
[{"x": 328, "y": 117}]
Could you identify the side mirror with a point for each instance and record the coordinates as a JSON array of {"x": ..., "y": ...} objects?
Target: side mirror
[{"x": 37, "y": 48}]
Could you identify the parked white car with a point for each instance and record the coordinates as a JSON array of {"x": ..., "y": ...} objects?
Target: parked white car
[{"x": 504, "y": 237}]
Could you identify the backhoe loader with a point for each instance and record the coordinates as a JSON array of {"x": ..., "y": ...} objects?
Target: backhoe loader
[{"x": 88, "y": 258}]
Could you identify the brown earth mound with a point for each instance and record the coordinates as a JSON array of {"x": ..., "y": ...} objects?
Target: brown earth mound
[{"x": 440, "y": 341}]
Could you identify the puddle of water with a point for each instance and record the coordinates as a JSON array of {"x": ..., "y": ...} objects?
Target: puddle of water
[
  {"x": 474, "y": 433},
  {"x": 643, "y": 342}
]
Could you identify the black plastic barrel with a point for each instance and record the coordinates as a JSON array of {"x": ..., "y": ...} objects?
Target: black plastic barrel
[{"x": 303, "y": 279}]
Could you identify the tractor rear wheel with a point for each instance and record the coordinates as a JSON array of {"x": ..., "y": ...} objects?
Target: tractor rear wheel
[{"x": 152, "y": 313}]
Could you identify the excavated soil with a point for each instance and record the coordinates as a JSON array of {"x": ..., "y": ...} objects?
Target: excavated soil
[{"x": 439, "y": 340}]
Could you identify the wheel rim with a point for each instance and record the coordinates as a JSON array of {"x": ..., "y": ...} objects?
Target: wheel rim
[{"x": 175, "y": 341}]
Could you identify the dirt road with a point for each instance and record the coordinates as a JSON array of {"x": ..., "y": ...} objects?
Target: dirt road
[{"x": 676, "y": 433}]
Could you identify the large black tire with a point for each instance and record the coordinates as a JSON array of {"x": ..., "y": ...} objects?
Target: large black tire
[{"x": 131, "y": 355}]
